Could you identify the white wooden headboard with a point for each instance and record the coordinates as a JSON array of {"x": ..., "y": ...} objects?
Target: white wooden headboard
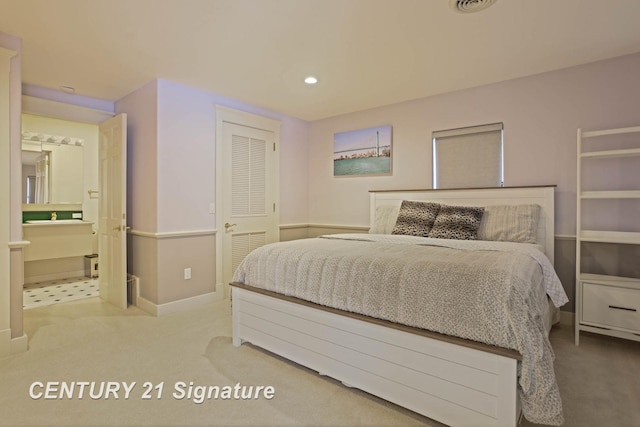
[{"x": 543, "y": 196}]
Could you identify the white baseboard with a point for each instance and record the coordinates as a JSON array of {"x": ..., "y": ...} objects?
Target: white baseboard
[
  {"x": 146, "y": 305},
  {"x": 179, "y": 305},
  {"x": 10, "y": 345}
]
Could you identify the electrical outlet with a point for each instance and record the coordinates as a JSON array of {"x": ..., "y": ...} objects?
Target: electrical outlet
[{"x": 187, "y": 273}]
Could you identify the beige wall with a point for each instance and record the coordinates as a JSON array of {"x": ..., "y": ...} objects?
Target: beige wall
[
  {"x": 142, "y": 261},
  {"x": 160, "y": 260},
  {"x": 177, "y": 253}
]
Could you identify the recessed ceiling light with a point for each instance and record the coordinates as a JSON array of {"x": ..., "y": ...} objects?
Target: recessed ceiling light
[{"x": 311, "y": 80}]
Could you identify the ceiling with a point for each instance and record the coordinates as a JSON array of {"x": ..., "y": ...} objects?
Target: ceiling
[{"x": 365, "y": 53}]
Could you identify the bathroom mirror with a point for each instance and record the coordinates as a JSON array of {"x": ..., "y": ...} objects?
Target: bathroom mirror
[{"x": 52, "y": 172}]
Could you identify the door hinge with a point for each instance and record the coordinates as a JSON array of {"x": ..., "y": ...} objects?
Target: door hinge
[
  {"x": 274, "y": 207},
  {"x": 274, "y": 146}
]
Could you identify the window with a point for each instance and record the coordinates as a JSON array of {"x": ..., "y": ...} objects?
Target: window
[{"x": 470, "y": 157}]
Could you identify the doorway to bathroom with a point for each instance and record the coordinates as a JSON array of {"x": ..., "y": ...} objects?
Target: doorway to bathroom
[
  {"x": 68, "y": 272},
  {"x": 60, "y": 208}
]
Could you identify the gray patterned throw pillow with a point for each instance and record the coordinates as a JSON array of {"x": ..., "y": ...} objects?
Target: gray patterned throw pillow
[
  {"x": 457, "y": 222},
  {"x": 416, "y": 218}
]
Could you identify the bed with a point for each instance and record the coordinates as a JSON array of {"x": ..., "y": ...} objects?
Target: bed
[{"x": 448, "y": 371}]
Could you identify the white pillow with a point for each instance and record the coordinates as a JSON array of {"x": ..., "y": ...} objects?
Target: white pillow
[
  {"x": 510, "y": 223},
  {"x": 385, "y": 220}
]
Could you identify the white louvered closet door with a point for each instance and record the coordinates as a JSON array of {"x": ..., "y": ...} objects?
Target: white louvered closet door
[{"x": 250, "y": 206}]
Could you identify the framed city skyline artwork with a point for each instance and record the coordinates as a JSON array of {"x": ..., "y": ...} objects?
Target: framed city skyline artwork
[{"x": 364, "y": 152}]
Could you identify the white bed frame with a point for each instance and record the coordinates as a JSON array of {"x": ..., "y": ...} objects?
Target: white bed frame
[{"x": 454, "y": 381}]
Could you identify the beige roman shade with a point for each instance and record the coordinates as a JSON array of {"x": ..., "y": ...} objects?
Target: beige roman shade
[{"x": 468, "y": 157}]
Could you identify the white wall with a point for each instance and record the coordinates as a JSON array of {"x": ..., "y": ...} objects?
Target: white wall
[
  {"x": 186, "y": 158},
  {"x": 540, "y": 114},
  {"x": 186, "y": 147}
]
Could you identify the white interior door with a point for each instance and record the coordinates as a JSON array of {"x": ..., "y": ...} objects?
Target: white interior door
[
  {"x": 112, "y": 207},
  {"x": 249, "y": 182}
]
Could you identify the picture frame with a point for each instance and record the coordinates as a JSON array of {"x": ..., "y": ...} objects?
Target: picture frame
[{"x": 363, "y": 152}]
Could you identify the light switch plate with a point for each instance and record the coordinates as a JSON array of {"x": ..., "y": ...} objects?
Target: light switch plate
[{"x": 212, "y": 208}]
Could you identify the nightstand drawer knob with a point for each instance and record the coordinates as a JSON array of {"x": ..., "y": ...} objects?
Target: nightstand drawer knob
[{"x": 615, "y": 307}]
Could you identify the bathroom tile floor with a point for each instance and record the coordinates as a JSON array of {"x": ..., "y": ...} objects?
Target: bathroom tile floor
[{"x": 58, "y": 291}]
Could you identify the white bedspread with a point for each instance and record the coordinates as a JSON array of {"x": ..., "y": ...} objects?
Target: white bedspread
[{"x": 491, "y": 292}]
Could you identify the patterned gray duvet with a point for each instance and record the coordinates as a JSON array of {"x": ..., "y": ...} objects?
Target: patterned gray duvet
[{"x": 491, "y": 292}]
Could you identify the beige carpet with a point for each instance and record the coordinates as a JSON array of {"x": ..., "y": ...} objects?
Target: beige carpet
[{"x": 91, "y": 341}]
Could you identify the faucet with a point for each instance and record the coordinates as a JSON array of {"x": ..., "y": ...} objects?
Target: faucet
[{"x": 54, "y": 216}]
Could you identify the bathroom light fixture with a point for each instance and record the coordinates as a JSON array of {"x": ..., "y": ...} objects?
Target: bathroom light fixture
[
  {"x": 468, "y": 6},
  {"x": 311, "y": 80}
]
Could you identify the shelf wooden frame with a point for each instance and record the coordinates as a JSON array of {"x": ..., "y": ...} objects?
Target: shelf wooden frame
[{"x": 602, "y": 285}]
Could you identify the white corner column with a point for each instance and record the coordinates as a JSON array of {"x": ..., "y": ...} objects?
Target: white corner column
[{"x": 5, "y": 200}]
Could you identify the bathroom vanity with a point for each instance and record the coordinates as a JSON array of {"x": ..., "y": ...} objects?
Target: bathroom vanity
[{"x": 57, "y": 238}]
